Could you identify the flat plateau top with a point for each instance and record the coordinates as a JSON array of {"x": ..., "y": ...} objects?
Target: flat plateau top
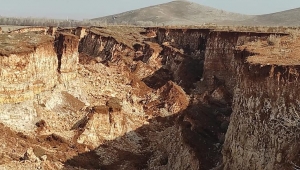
[
  {"x": 123, "y": 34},
  {"x": 275, "y": 50},
  {"x": 21, "y": 43},
  {"x": 224, "y": 28}
]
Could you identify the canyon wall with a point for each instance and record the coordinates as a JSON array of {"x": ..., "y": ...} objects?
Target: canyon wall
[
  {"x": 67, "y": 52},
  {"x": 182, "y": 54},
  {"x": 26, "y": 73},
  {"x": 264, "y": 127}
]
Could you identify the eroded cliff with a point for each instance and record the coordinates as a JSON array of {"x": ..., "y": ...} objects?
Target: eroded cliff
[
  {"x": 263, "y": 131},
  {"x": 148, "y": 98}
]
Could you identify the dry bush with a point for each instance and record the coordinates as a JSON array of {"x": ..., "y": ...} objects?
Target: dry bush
[
  {"x": 242, "y": 40},
  {"x": 273, "y": 40}
]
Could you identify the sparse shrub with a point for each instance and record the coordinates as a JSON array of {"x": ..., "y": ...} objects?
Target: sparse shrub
[
  {"x": 293, "y": 34},
  {"x": 241, "y": 40},
  {"x": 273, "y": 40}
]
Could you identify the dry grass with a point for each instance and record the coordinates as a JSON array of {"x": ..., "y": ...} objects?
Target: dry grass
[
  {"x": 273, "y": 40},
  {"x": 259, "y": 29},
  {"x": 275, "y": 50},
  {"x": 21, "y": 43},
  {"x": 7, "y": 28}
]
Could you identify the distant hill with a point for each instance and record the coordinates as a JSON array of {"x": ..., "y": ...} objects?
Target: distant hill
[
  {"x": 284, "y": 18},
  {"x": 178, "y": 12}
]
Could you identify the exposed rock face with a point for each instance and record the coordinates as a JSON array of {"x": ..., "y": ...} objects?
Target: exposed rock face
[
  {"x": 174, "y": 98},
  {"x": 220, "y": 57},
  {"x": 219, "y": 65},
  {"x": 67, "y": 52},
  {"x": 52, "y": 31}
]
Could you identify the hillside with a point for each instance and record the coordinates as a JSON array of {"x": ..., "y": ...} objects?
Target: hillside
[
  {"x": 284, "y": 18},
  {"x": 173, "y": 13}
]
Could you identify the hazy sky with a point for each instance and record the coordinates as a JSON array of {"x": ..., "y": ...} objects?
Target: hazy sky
[{"x": 85, "y": 9}]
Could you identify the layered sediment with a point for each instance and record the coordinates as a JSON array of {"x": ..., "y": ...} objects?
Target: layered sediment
[{"x": 26, "y": 65}]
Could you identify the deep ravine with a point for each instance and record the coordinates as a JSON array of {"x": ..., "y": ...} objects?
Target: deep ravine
[{"x": 145, "y": 98}]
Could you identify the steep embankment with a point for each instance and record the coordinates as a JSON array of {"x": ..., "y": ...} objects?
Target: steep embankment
[
  {"x": 264, "y": 128},
  {"x": 261, "y": 78},
  {"x": 23, "y": 67}
]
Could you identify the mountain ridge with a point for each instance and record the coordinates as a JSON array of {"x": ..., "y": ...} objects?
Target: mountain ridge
[
  {"x": 281, "y": 18},
  {"x": 184, "y": 12},
  {"x": 173, "y": 13}
]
